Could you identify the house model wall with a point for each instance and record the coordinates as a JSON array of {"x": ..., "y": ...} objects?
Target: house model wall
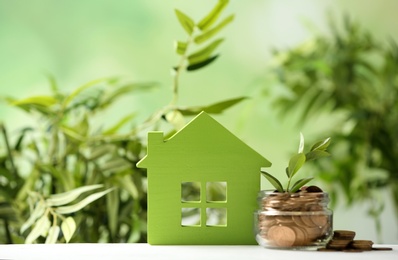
[{"x": 203, "y": 157}]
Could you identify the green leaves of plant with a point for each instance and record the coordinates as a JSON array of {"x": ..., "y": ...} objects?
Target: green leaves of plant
[
  {"x": 296, "y": 162},
  {"x": 67, "y": 197},
  {"x": 40, "y": 228},
  {"x": 209, "y": 19},
  {"x": 53, "y": 234},
  {"x": 300, "y": 183},
  {"x": 68, "y": 228},
  {"x": 274, "y": 181},
  {"x": 186, "y": 22},
  {"x": 55, "y": 206},
  {"x": 204, "y": 56},
  {"x": 81, "y": 204},
  {"x": 210, "y": 33},
  {"x": 202, "y": 64},
  {"x": 204, "y": 53},
  {"x": 215, "y": 108}
]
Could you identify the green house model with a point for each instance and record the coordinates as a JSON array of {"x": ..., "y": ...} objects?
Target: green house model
[{"x": 202, "y": 186}]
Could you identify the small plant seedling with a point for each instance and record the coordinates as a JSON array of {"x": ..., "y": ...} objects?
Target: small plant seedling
[{"x": 318, "y": 150}]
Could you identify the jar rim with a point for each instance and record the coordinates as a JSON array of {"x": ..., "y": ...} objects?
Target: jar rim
[{"x": 263, "y": 193}]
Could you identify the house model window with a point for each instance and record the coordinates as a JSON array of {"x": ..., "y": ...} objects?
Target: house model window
[
  {"x": 202, "y": 186},
  {"x": 206, "y": 206}
]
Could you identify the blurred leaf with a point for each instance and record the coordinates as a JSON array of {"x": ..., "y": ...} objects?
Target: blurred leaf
[
  {"x": 112, "y": 205},
  {"x": 321, "y": 145},
  {"x": 202, "y": 64},
  {"x": 72, "y": 133},
  {"x": 274, "y": 181},
  {"x": 123, "y": 90},
  {"x": 38, "y": 212},
  {"x": 301, "y": 146},
  {"x": 216, "y": 108},
  {"x": 186, "y": 22},
  {"x": 127, "y": 183},
  {"x": 6, "y": 211},
  {"x": 180, "y": 47},
  {"x": 300, "y": 183},
  {"x": 295, "y": 163},
  {"x": 53, "y": 234},
  {"x": 176, "y": 118},
  {"x": 120, "y": 124},
  {"x": 45, "y": 101},
  {"x": 68, "y": 228},
  {"x": 81, "y": 204},
  {"x": 209, "y": 19},
  {"x": 69, "y": 196},
  {"x": 80, "y": 89},
  {"x": 115, "y": 164},
  {"x": 53, "y": 84},
  {"x": 101, "y": 150},
  {"x": 316, "y": 154},
  {"x": 211, "y": 32},
  {"x": 204, "y": 53},
  {"x": 39, "y": 228}
]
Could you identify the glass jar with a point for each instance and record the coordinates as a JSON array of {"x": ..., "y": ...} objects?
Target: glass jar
[{"x": 298, "y": 220}]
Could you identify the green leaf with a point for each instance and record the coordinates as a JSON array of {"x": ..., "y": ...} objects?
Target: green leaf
[
  {"x": 176, "y": 118},
  {"x": 120, "y": 124},
  {"x": 68, "y": 228},
  {"x": 274, "y": 181},
  {"x": 321, "y": 145},
  {"x": 112, "y": 205},
  {"x": 180, "y": 47},
  {"x": 202, "y": 64},
  {"x": 123, "y": 90},
  {"x": 186, "y": 22},
  {"x": 209, "y": 19},
  {"x": 127, "y": 183},
  {"x": 38, "y": 212},
  {"x": 210, "y": 33},
  {"x": 316, "y": 154},
  {"x": 204, "y": 53},
  {"x": 301, "y": 146},
  {"x": 295, "y": 163},
  {"x": 300, "y": 183},
  {"x": 100, "y": 150},
  {"x": 69, "y": 196},
  {"x": 39, "y": 228},
  {"x": 45, "y": 101},
  {"x": 81, "y": 204},
  {"x": 6, "y": 211},
  {"x": 215, "y": 108},
  {"x": 115, "y": 164},
  {"x": 53, "y": 234},
  {"x": 72, "y": 133},
  {"x": 80, "y": 89}
]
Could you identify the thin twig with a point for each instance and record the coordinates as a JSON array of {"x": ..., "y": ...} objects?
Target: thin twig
[{"x": 13, "y": 168}]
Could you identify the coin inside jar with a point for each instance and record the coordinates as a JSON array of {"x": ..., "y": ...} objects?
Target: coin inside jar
[{"x": 282, "y": 236}]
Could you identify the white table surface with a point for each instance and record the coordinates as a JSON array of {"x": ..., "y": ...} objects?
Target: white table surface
[{"x": 145, "y": 251}]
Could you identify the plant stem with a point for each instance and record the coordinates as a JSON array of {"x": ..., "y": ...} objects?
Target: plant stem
[
  {"x": 177, "y": 70},
  {"x": 8, "y": 232},
  {"x": 13, "y": 168}
]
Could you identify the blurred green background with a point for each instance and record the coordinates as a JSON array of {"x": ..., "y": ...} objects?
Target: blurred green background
[{"x": 77, "y": 41}]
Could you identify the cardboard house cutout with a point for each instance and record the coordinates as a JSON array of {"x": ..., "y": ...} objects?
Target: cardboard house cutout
[{"x": 203, "y": 157}]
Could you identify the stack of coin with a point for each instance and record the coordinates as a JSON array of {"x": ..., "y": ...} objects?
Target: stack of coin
[
  {"x": 343, "y": 240},
  {"x": 294, "y": 220}
]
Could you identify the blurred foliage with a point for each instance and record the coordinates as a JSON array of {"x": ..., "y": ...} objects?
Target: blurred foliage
[
  {"x": 50, "y": 169},
  {"x": 351, "y": 79}
]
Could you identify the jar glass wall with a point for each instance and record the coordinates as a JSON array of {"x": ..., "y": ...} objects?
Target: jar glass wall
[{"x": 299, "y": 220}]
